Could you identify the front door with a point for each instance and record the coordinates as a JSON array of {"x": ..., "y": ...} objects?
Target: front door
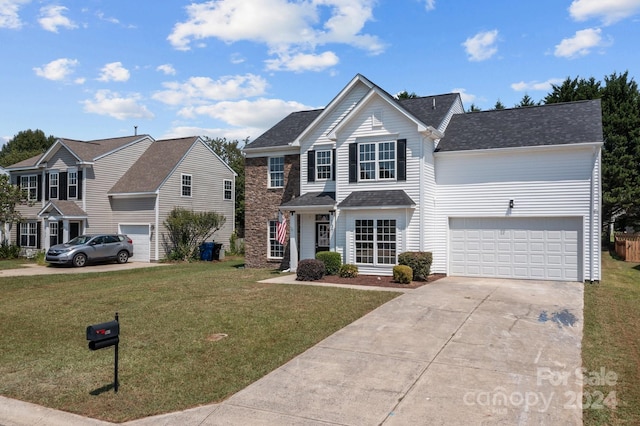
[
  {"x": 74, "y": 229},
  {"x": 322, "y": 236}
]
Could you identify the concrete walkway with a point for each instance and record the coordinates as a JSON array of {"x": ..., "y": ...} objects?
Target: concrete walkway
[{"x": 458, "y": 351}]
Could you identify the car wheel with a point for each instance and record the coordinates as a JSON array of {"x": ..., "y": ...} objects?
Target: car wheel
[
  {"x": 123, "y": 256},
  {"x": 79, "y": 260}
]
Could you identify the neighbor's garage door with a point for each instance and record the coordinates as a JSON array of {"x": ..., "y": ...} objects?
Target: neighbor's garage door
[
  {"x": 141, "y": 241},
  {"x": 523, "y": 248}
]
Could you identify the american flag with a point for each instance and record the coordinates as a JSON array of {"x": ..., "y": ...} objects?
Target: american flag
[{"x": 281, "y": 229}]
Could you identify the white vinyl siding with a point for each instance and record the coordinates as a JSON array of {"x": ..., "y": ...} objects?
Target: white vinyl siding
[{"x": 547, "y": 182}]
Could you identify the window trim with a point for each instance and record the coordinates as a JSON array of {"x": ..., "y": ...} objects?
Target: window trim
[
  {"x": 272, "y": 241},
  {"x": 376, "y": 241},
  {"x": 29, "y": 227},
  {"x": 328, "y": 171},
  {"x": 270, "y": 172},
  {"x": 186, "y": 186},
  {"x": 70, "y": 185},
  {"x": 229, "y": 190},
  {"x": 377, "y": 169},
  {"x": 29, "y": 188},
  {"x": 52, "y": 186}
]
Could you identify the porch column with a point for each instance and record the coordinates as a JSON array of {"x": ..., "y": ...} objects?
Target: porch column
[
  {"x": 293, "y": 243},
  {"x": 65, "y": 230}
]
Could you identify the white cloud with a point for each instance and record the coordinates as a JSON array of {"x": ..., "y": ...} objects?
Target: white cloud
[
  {"x": 9, "y": 17},
  {"x": 430, "y": 4},
  {"x": 609, "y": 11},
  {"x": 106, "y": 102},
  {"x": 237, "y": 58},
  {"x": 580, "y": 44},
  {"x": 466, "y": 97},
  {"x": 57, "y": 70},
  {"x": 303, "y": 62},
  {"x": 481, "y": 46},
  {"x": 168, "y": 69},
  {"x": 105, "y": 18},
  {"x": 202, "y": 89},
  {"x": 261, "y": 113},
  {"x": 536, "y": 85},
  {"x": 52, "y": 18},
  {"x": 287, "y": 28},
  {"x": 114, "y": 72}
]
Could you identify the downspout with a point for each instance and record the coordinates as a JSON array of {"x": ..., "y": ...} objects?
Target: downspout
[
  {"x": 157, "y": 228},
  {"x": 592, "y": 215}
]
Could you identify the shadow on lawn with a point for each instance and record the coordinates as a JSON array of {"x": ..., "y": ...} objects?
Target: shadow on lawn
[{"x": 99, "y": 391}]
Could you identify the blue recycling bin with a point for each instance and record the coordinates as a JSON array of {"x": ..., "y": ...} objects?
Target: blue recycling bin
[{"x": 206, "y": 251}]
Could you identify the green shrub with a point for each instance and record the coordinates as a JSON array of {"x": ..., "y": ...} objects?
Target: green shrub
[
  {"x": 348, "y": 271},
  {"x": 402, "y": 274},
  {"x": 418, "y": 261},
  {"x": 332, "y": 261},
  {"x": 9, "y": 251},
  {"x": 310, "y": 270}
]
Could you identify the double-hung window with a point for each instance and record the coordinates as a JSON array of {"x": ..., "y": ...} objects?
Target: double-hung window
[
  {"x": 186, "y": 185},
  {"x": 323, "y": 165},
  {"x": 276, "y": 250},
  {"x": 72, "y": 184},
  {"x": 28, "y": 234},
  {"x": 29, "y": 184},
  {"x": 375, "y": 241},
  {"x": 377, "y": 160},
  {"x": 53, "y": 184},
  {"x": 276, "y": 172},
  {"x": 228, "y": 189}
]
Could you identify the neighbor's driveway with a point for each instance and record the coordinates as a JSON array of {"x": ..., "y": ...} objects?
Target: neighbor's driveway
[
  {"x": 32, "y": 269},
  {"x": 459, "y": 351}
]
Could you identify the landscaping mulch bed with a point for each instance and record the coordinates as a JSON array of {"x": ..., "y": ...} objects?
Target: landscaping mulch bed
[{"x": 377, "y": 281}]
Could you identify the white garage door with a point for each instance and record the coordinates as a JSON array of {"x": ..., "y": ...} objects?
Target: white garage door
[
  {"x": 141, "y": 241},
  {"x": 523, "y": 248}
]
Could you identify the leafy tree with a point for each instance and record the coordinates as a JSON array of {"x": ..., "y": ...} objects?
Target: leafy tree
[
  {"x": 577, "y": 89},
  {"x": 406, "y": 95},
  {"x": 187, "y": 230},
  {"x": 231, "y": 153},
  {"x": 526, "y": 101},
  {"x": 26, "y": 144},
  {"x": 499, "y": 105},
  {"x": 10, "y": 197},
  {"x": 474, "y": 108}
]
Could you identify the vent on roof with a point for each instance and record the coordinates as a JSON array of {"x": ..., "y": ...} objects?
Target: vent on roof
[
  {"x": 135, "y": 130},
  {"x": 433, "y": 106}
]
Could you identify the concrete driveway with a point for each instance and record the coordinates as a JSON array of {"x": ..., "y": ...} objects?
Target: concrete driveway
[
  {"x": 459, "y": 351},
  {"x": 33, "y": 269}
]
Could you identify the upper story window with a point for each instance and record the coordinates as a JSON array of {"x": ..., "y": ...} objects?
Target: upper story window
[
  {"x": 72, "y": 184},
  {"x": 228, "y": 189},
  {"x": 276, "y": 172},
  {"x": 324, "y": 168},
  {"x": 54, "y": 183},
  {"x": 30, "y": 185},
  {"x": 186, "y": 185},
  {"x": 377, "y": 161}
]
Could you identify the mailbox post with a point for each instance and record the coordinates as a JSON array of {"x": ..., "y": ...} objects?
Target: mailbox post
[{"x": 105, "y": 335}]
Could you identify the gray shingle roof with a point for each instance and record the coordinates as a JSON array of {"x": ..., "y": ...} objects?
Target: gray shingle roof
[
  {"x": 153, "y": 166},
  {"x": 285, "y": 131},
  {"x": 551, "y": 124},
  {"x": 90, "y": 150},
  {"x": 312, "y": 199},
  {"x": 65, "y": 207},
  {"x": 382, "y": 198},
  {"x": 431, "y": 110}
]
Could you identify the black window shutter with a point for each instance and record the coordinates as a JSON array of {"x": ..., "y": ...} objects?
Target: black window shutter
[
  {"x": 311, "y": 166},
  {"x": 18, "y": 235},
  {"x": 38, "y": 231},
  {"x": 60, "y": 233},
  {"x": 18, "y": 182},
  {"x": 79, "y": 185},
  {"x": 353, "y": 162},
  {"x": 46, "y": 186},
  {"x": 62, "y": 186},
  {"x": 333, "y": 164},
  {"x": 39, "y": 188},
  {"x": 401, "y": 146}
]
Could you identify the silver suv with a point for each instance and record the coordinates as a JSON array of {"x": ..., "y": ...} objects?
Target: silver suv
[{"x": 92, "y": 248}]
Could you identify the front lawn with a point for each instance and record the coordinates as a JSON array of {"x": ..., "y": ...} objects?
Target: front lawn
[
  {"x": 173, "y": 319},
  {"x": 611, "y": 345}
]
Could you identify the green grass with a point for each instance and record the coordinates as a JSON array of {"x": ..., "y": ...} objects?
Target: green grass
[
  {"x": 167, "y": 315},
  {"x": 612, "y": 341},
  {"x": 15, "y": 263}
]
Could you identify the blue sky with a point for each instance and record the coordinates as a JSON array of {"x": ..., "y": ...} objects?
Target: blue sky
[{"x": 94, "y": 69}]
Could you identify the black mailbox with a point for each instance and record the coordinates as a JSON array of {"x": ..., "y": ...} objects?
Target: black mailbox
[{"x": 103, "y": 335}]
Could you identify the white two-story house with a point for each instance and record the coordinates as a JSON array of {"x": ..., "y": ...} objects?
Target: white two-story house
[
  {"x": 125, "y": 185},
  {"x": 511, "y": 193}
]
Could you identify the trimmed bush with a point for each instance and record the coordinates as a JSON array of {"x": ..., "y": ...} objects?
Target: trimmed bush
[
  {"x": 9, "y": 251},
  {"x": 419, "y": 262},
  {"x": 402, "y": 274},
  {"x": 310, "y": 270},
  {"x": 332, "y": 261},
  {"x": 348, "y": 271}
]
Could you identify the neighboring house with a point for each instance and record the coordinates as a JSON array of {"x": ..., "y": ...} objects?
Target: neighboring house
[
  {"x": 3, "y": 171},
  {"x": 126, "y": 185},
  {"x": 512, "y": 193}
]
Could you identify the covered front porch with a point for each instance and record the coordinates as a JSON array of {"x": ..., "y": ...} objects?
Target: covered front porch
[{"x": 62, "y": 220}]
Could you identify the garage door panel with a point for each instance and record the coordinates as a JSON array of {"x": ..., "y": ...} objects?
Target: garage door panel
[
  {"x": 140, "y": 236},
  {"x": 528, "y": 248}
]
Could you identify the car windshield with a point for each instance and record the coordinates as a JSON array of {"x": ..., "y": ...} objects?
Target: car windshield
[{"x": 82, "y": 239}]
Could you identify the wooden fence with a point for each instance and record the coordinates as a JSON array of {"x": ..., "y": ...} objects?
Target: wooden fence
[{"x": 628, "y": 247}]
